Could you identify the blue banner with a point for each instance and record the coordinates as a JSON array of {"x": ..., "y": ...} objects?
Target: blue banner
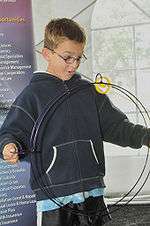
[{"x": 17, "y": 201}]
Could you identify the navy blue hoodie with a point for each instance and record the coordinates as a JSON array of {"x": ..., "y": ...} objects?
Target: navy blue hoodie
[{"x": 63, "y": 124}]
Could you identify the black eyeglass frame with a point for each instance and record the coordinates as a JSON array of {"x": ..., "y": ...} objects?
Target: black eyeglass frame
[{"x": 81, "y": 59}]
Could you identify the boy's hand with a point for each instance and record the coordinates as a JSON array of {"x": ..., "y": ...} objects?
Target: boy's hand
[{"x": 10, "y": 153}]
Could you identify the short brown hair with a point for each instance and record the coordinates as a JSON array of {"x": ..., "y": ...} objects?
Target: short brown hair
[{"x": 57, "y": 30}]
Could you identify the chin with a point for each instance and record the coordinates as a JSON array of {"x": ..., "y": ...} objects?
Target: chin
[{"x": 67, "y": 77}]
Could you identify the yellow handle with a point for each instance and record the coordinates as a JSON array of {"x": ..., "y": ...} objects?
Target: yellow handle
[{"x": 103, "y": 84}]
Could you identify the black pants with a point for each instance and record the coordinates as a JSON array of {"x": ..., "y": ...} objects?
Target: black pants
[{"x": 92, "y": 212}]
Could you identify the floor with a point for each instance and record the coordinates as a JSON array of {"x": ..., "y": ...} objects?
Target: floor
[{"x": 131, "y": 215}]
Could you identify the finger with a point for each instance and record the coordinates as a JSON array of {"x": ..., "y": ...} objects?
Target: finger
[
  {"x": 9, "y": 153},
  {"x": 10, "y": 156},
  {"x": 12, "y": 161},
  {"x": 13, "y": 150},
  {"x": 13, "y": 158}
]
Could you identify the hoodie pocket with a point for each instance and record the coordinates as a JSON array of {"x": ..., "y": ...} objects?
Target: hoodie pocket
[{"x": 72, "y": 162}]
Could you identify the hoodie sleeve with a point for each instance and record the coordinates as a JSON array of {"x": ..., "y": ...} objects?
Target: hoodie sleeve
[
  {"x": 117, "y": 129},
  {"x": 19, "y": 121}
]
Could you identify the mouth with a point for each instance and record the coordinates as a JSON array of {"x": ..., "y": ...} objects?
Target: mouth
[{"x": 71, "y": 72}]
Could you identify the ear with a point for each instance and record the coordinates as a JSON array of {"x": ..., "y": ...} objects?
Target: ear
[{"x": 46, "y": 54}]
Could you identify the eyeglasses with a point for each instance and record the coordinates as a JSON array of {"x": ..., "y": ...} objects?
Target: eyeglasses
[{"x": 70, "y": 59}]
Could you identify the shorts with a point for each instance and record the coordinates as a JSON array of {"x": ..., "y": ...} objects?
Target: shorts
[{"x": 92, "y": 211}]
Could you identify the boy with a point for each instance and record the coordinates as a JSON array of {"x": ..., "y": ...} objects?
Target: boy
[{"x": 67, "y": 151}]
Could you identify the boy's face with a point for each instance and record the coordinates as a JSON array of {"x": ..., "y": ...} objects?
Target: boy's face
[{"x": 64, "y": 60}]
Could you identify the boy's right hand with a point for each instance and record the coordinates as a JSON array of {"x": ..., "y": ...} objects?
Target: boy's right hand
[{"x": 10, "y": 153}]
